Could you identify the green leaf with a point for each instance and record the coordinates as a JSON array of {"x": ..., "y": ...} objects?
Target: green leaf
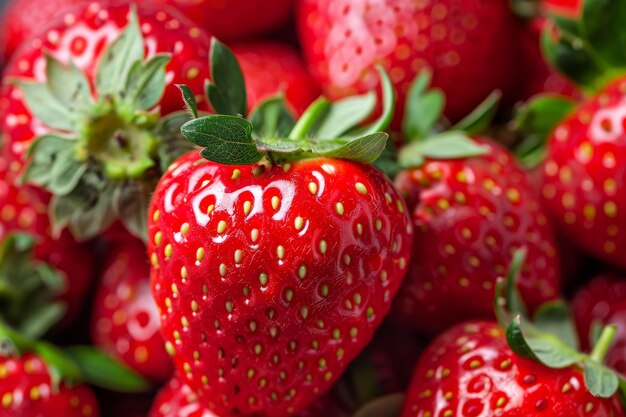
[
  {"x": 554, "y": 317},
  {"x": 552, "y": 352},
  {"x": 312, "y": 117},
  {"x": 68, "y": 84},
  {"x": 42, "y": 103},
  {"x": 44, "y": 153},
  {"x": 536, "y": 120},
  {"x": 603, "y": 27},
  {"x": 87, "y": 213},
  {"x": 482, "y": 116},
  {"x": 517, "y": 341},
  {"x": 278, "y": 145},
  {"x": 365, "y": 149},
  {"x": 101, "y": 370},
  {"x": 389, "y": 106},
  {"x": 514, "y": 301},
  {"x": 41, "y": 318},
  {"x": 131, "y": 202},
  {"x": 190, "y": 100},
  {"x": 226, "y": 90},
  {"x": 65, "y": 174},
  {"x": 226, "y": 139},
  {"x": 146, "y": 82},
  {"x": 424, "y": 108},
  {"x": 345, "y": 114},
  {"x": 118, "y": 59},
  {"x": 444, "y": 146},
  {"x": 599, "y": 380},
  {"x": 271, "y": 118}
]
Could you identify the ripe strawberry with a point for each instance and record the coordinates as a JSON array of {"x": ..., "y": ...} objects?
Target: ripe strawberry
[
  {"x": 235, "y": 19},
  {"x": 23, "y": 209},
  {"x": 125, "y": 320},
  {"x": 27, "y": 389},
  {"x": 600, "y": 302},
  {"x": 470, "y": 370},
  {"x": 272, "y": 67},
  {"x": 273, "y": 264},
  {"x": 342, "y": 40},
  {"x": 176, "y": 399},
  {"x": 91, "y": 111}
]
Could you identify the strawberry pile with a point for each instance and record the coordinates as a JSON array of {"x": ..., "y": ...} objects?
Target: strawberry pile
[{"x": 313, "y": 208}]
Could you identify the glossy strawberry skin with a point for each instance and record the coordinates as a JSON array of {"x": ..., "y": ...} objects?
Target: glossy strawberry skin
[
  {"x": 80, "y": 36},
  {"x": 125, "y": 319},
  {"x": 269, "y": 296},
  {"x": 26, "y": 391},
  {"x": 603, "y": 301},
  {"x": 342, "y": 40},
  {"x": 24, "y": 209},
  {"x": 469, "y": 216},
  {"x": 470, "y": 371},
  {"x": 584, "y": 176},
  {"x": 271, "y": 68}
]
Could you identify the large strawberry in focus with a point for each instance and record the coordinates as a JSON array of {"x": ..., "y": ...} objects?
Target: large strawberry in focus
[
  {"x": 276, "y": 253},
  {"x": 83, "y": 104},
  {"x": 270, "y": 68},
  {"x": 125, "y": 320},
  {"x": 600, "y": 302},
  {"x": 45, "y": 277},
  {"x": 469, "y": 45},
  {"x": 472, "y": 206},
  {"x": 27, "y": 389}
]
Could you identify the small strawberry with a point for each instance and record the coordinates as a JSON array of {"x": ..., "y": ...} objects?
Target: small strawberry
[
  {"x": 83, "y": 107},
  {"x": 274, "y": 261},
  {"x": 343, "y": 40},
  {"x": 472, "y": 206},
  {"x": 125, "y": 320},
  {"x": 270, "y": 68},
  {"x": 598, "y": 303},
  {"x": 29, "y": 259},
  {"x": 27, "y": 389}
]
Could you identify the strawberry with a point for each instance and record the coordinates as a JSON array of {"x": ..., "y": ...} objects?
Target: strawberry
[
  {"x": 234, "y": 19},
  {"x": 23, "y": 209},
  {"x": 27, "y": 389},
  {"x": 600, "y": 302},
  {"x": 472, "y": 206},
  {"x": 274, "y": 255},
  {"x": 87, "y": 105},
  {"x": 470, "y": 370},
  {"x": 342, "y": 40},
  {"x": 176, "y": 399},
  {"x": 125, "y": 320},
  {"x": 272, "y": 67}
]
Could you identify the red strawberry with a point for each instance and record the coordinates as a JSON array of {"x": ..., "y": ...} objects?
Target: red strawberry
[
  {"x": 176, "y": 399},
  {"x": 600, "y": 302},
  {"x": 566, "y": 8},
  {"x": 272, "y": 67},
  {"x": 101, "y": 144},
  {"x": 471, "y": 371},
  {"x": 27, "y": 390},
  {"x": 235, "y": 19},
  {"x": 125, "y": 320},
  {"x": 343, "y": 39},
  {"x": 24, "y": 209},
  {"x": 470, "y": 215}
]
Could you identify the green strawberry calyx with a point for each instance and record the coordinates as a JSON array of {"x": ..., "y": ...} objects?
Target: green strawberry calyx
[
  {"x": 29, "y": 288},
  {"x": 106, "y": 147},
  {"x": 430, "y": 136},
  {"x": 73, "y": 365},
  {"x": 271, "y": 133},
  {"x": 550, "y": 337}
]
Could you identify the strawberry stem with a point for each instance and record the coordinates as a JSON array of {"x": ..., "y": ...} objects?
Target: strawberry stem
[{"x": 604, "y": 343}]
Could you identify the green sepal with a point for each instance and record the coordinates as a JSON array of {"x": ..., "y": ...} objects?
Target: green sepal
[
  {"x": 481, "y": 117},
  {"x": 344, "y": 114},
  {"x": 603, "y": 26},
  {"x": 191, "y": 104},
  {"x": 424, "y": 108},
  {"x": 131, "y": 202},
  {"x": 101, "y": 370},
  {"x": 145, "y": 84},
  {"x": 443, "y": 146},
  {"x": 226, "y": 139},
  {"x": 365, "y": 149},
  {"x": 387, "y": 162},
  {"x": 312, "y": 117},
  {"x": 119, "y": 58},
  {"x": 517, "y": 341},
  {"x": 44, "y": 105},
  {"x": 271, "y": 118},
  {"x": 68, "y": 85},
  {"x": 555, "y": 317},
  {"x": 172, "y": 143},
  {"x": 387, "y": 406},
  {"x": 535, "y": 121},
  {"x": 227, "y": 89},
  {"x": 600, "y": 380},
  {"x": 514, "y": 300}
]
